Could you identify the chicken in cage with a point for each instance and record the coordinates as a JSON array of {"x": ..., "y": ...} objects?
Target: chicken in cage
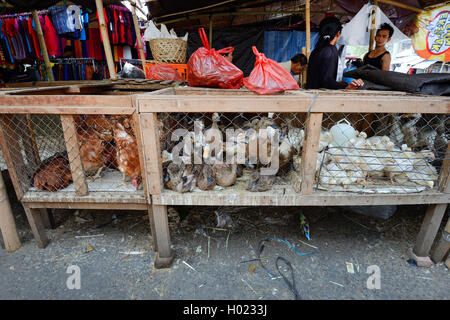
[{"x": 106, "y": 143}]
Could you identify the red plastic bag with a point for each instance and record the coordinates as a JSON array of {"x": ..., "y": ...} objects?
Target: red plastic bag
[
  {"x": 208, "y": 68},
  {"x": 268, "y": 76},
  {"x": 163, "y": 72}
]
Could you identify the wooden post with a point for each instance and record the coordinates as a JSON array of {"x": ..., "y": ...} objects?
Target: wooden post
[
  {"x": 138, "y": 36},
  {"x": 164, "y": 255},
  {"x": 73, "y": 152},
  {"x": 7, "y": 223},
  {"x": 48, "y": 67},
  {"x": 157, "y": 213},
  {"x": 373, "y": 26},
  {"x": 444, "y": 175},
  {"x": 310, "y": 151},
  {"x": 152, "y": 152},
  {"x": 443, "y": 245},
  {"x": 305, "y": 71},
  {"x": 37, "y": 226},
  {"x": 308, "y": 27},
  {"x": 105, "y": 38},
  {"x": 13, "y": 154},
  {"x": 431, "y": 222}
]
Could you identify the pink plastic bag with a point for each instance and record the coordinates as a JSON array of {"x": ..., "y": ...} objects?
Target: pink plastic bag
[
  {"x": 268, "y": 76},
  {"x": 208, "y": 68},
  {"x": 163, "y": 72}
]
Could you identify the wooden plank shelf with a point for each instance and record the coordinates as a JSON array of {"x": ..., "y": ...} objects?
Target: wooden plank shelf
[
  {"x": 286, "y": 196},
  {"x": 93, "y": 200}
]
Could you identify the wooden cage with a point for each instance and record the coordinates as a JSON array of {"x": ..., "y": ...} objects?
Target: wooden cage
[
  {"x": 314, "y": 112},
  {"x": 55, "y": 139}
]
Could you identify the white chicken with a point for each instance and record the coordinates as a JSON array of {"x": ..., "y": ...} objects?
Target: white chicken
[
  {"x": 378, "y": 142},
  {"x": 336, "y": 172}
]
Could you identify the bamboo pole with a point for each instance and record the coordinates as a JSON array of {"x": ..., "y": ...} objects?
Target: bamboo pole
[
  {"x": 245, "y": 13},
  {"x": 304, "y": 72},
  {"x": 138, "y": 37},
  {"x": 105, "y": 38},
  {"x": 48, "y": 66},
  {"x": 401, "y": 5},
  {"x": 308, "y": 27},
  {"x": 7, "y": 223},
  {"x": 373, "y": 26},
  {"x": 210, "y": 31}
]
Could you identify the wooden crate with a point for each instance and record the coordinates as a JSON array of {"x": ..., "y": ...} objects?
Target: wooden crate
[
  {"x": 311, "y": 110},
  {"x": 37, "y": 123}
]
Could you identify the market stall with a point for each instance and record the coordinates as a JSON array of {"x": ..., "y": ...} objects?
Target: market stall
[{"x": 305, "y": 179}]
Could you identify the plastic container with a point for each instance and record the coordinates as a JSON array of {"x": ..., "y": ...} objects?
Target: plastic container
[{"x": 341, "y": 133}]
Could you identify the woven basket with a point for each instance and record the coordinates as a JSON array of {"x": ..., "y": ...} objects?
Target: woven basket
[{"x": 169, "y": 50}]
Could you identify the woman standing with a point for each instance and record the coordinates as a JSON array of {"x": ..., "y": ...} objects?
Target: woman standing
[{"x": 323, "y": 62}]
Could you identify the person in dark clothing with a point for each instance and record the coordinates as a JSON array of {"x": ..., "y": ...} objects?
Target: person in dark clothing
[
  {"x": 323, "y": 62},
  {"x": 380, "y": 58},
  {"x": 68, "y": 52}
]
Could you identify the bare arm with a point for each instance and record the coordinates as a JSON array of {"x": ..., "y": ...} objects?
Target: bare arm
[{"x": 386, "y": 62}]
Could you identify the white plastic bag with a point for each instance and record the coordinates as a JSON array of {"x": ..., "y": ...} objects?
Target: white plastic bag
[
  {"x": 152, "y": 32},
  {"x": 165, "y": 34},
  {"x": 130, "y": 71}
]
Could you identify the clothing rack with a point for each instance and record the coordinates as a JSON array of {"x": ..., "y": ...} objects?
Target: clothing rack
[{"x": 23, "y": 14}]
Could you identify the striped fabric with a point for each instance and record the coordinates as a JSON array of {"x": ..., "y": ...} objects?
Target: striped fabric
[{"x": 283, "y": 45}]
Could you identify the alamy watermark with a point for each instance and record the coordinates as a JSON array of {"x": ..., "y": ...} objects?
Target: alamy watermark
[
  {"x": 74, "y": 280},
  {"x": 374, "y": 280}
]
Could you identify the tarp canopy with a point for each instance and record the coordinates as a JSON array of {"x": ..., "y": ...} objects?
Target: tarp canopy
[
  {"x": 14, "y": 6},
  {"x": 357, "y": 31},
  {"x": 166, "y": 11}
]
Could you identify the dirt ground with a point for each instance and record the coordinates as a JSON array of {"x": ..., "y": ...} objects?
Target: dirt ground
[{"x": 114, "y": 253}]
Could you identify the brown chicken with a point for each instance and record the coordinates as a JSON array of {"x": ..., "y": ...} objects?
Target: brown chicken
[
  {"x": 91, "y": 150},
  {"x": 54, "y": 174},
  {"x": 102, "y": 125},
  {"x": 97, "y": 147},
  {"x": 127, "y": 154}
]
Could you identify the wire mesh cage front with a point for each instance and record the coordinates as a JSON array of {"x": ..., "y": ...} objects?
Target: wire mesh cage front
[
  {"x": 57, "y": 153},
  {"x": 252, "y": 151},
  {"x": 381, "y": 153},
  {"x": 365, "y": 153}
]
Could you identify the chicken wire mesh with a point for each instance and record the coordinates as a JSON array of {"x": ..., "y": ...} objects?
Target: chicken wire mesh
[
  {"x": 196, "y": 159},
  {"x": 381, "y": 153},
  {"x": 48, "y": 152},
  {"x": 367, "y": 153}
]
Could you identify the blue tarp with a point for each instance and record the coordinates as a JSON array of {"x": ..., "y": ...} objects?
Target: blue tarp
[{"x": 283, "y": 45}]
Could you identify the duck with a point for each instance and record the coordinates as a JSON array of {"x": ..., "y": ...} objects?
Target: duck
[
  {"x": 297, "y": 163},
  {"x": 296, "y": 137},
  {"x": 225, "y": 174},
  {"x": 259, "y": 182},
  {"x": 205, "y": 177},
  {"x": 180, "y": 177},
  {"x": 286, "y": 152},
  {"x": 166, "y": 156}
]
